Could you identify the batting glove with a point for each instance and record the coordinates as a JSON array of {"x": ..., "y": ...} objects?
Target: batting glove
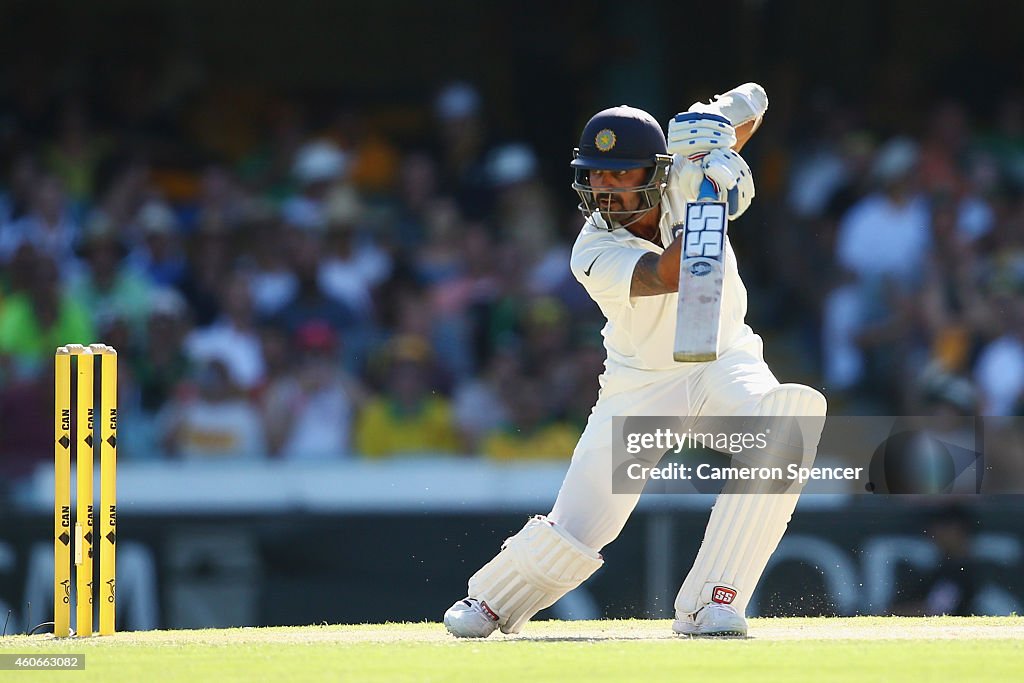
[
  {"x": 730, "y": 172},
  {"x": 684, "y": 181},
  {"x": 695, "y": 134}
]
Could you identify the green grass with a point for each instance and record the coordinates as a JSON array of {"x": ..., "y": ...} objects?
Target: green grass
[{"x": 791, "y": 650}]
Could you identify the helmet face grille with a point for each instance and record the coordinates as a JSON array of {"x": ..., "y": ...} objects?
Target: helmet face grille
[{"x": 650, "y": 193}]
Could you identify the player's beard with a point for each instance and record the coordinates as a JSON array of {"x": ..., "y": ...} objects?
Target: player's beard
[{"x": 612, "y": 207}]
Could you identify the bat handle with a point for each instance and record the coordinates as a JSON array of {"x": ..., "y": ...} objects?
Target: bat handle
[{"x": 707, "y": 193}]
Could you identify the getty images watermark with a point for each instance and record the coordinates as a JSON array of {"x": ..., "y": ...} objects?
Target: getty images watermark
[
  {"x": 753, "y": 446},
  {"x": 862, "y": 455}
]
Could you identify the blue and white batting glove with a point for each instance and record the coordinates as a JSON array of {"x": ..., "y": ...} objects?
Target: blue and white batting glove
[
  {"x": 683, "y": 185},
  {"x": 730, "y": 172},
  {"x": 694, "y": 134}
]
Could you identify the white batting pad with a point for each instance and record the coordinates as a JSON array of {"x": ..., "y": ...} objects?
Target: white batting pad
[
  {"x": 534, "y": 569},
  {"x": 745, "y": 528}
]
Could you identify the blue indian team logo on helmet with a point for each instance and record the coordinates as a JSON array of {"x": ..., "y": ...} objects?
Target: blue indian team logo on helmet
[{"x": 605, "y": 140}]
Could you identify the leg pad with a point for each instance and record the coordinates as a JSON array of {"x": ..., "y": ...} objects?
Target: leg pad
[{"x": 534, "y": 569}]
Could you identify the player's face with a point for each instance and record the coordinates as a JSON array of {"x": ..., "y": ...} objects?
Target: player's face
[{"x": 614, "y": 200}]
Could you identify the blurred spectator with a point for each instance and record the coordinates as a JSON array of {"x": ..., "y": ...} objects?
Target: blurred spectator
[
  {"x": 319, "y": 167},
  {"x": 529, "y": 432},
  {"x": 354, "y": 265},
  {"x": 881, "y": 244},
  {"x": 414, "y": 317},
  {"x": 134, "y": 432},
  {"x": 954, "y": 306},
  {"x": 160, "y": 255},
  {"x": 233, "y": 338},
  {"x": 149, "y": 373},
  {"x": 375, "y": 158},
  {"x": 460, "y": 302},
  {"x": 38, "y": 319},
  {"x": 407, "y": 418},
  {"x": 523, "y": 212},
  {"x": 211, "y": 419},
  {"x": 944, "y": 149},
  {"x": 48, "y": 225},
  {"x": 885, "y": 234},
  {"x": 76, "y": 152},
  {"x": 829, "y": 174},
  {"x": 272, "y": 283},
  {"x": 267, "y": 168},
  {"x": 26, "y": 429},
  {"x": 1005, "y": 140},
  {"x": 106, "y": 283},
  {"x": 161, "y": 363},
  {"x": 309, "y": 411},
  {"x": 211, "y": 258},
  {"x": 440, "y": 257},
  {"x": 221, "y": 200},
  {"x": 479, "y": 404},
  {"x": 827, "y": 160},
  {"x": 310, "y": 302},
  {"x": 546, "y": 334},
  {"x": 1000, "y": 367},
  {"x": 548, "y": 276},
  {"x": 277, "y": 355},
  {"x": 417, "y": 189},
  {"x": 506, "y": 312},
  {"x": 16, "y": 197},
  {"x": 20, "y": 271},
  {"x": 457, "y": 109},
  {"x": 125, "y": 189},
  {"x": 582, "y": 381}
]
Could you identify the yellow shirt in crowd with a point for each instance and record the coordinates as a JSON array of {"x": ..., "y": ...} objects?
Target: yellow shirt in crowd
[
  {"x": 384, "y": 429},
  {"x": 555, "y": 440}
]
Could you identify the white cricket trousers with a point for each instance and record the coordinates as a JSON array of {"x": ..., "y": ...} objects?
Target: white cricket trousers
[{"x": 731, "y": 385}]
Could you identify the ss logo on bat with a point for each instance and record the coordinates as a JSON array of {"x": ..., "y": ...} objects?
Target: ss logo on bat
[{"x": 705, "y": 230}]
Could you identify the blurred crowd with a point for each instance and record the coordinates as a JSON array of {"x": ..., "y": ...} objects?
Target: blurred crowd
[
  {"x": 331, "y": 292},
  {"x": 908, "y": 252}
]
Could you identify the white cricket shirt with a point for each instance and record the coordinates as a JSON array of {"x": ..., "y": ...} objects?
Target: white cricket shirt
[{"x": 640, "y": 331}]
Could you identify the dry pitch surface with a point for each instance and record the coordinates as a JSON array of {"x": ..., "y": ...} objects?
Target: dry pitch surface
[{"x": 856, "y": 649}]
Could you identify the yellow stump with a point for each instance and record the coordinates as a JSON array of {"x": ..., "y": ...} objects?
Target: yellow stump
[
  {"x": 84, "y": 517},
  {"x": 62, "y": 537},
  {"x": 106, "y": 436}
]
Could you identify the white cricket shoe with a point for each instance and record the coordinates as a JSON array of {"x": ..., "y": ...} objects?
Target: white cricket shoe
[
  {"x": 712, "y": 619},
  {"x": 470, "y": 618}
]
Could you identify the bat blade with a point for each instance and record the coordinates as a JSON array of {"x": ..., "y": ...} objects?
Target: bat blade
[{"x": 701, "y": 277}]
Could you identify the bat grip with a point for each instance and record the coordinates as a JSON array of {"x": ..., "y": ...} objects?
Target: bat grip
[{"x": 707, "y": 193}]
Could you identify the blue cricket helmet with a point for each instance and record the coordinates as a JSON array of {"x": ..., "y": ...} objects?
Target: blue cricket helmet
[{"x": 619, "y": 139}]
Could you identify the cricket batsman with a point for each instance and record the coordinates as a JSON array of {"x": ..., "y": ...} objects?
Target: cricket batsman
[{"x": 633, "y": 185}]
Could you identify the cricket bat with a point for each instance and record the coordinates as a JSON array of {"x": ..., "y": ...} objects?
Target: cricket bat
[
  {"x": 701, "y": 270},
  {"x": 703, "y": 231}
]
